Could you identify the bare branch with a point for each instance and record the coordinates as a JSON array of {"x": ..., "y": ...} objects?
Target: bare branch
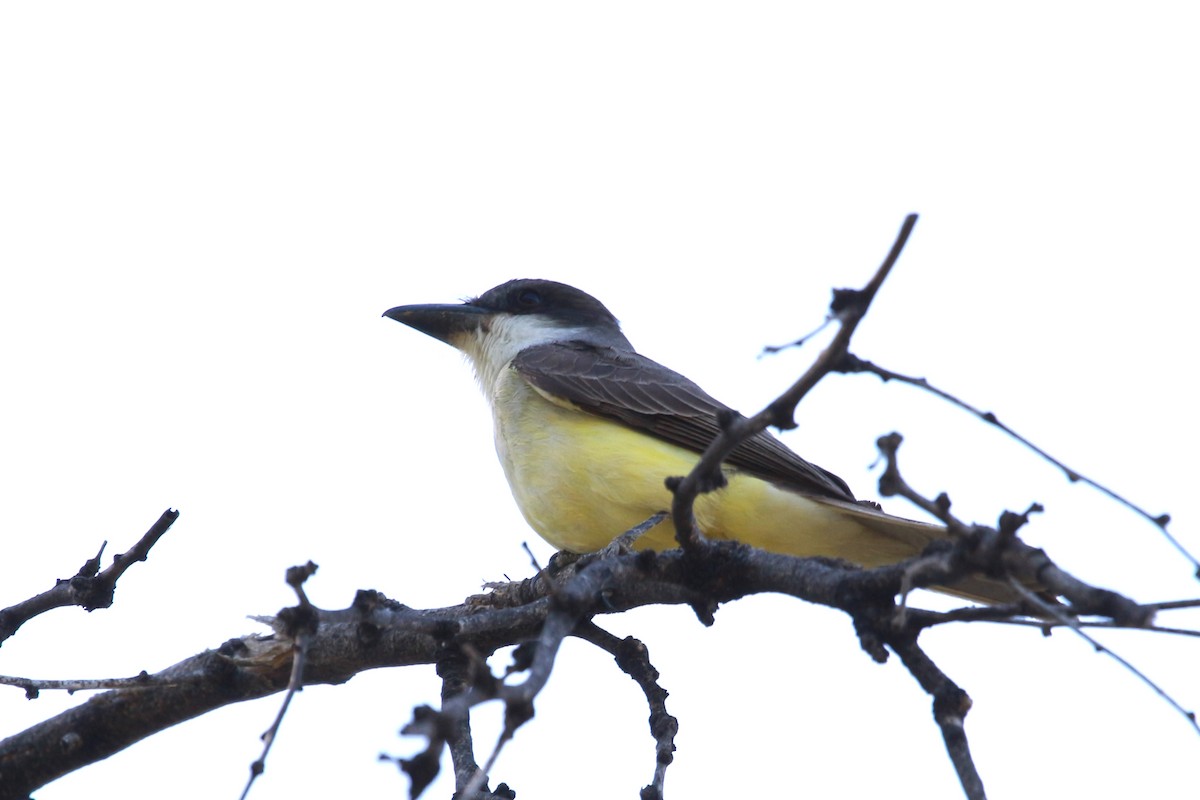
[
  {"x": 634, "y": 660},
  {"x": 86, "y": 588},
  {"x": 35, "y": 686},
  {"x": 300, "y": 623},
  {"x": 1074, "y": 625},
  {"x": 455, "y": 670},
  {"x": 950, "y": 707},
  {"x": 854, "y": 364},
  {"x": 995, "y": 552},
  {"x": 849, "y": 306},
  {"x": 378, "y": 632}
]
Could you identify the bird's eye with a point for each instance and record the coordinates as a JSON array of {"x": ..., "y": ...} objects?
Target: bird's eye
[{"x": 529, "y": 298}]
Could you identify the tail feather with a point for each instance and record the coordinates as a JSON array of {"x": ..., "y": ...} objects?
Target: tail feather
[{"x": 917, "y": 536}]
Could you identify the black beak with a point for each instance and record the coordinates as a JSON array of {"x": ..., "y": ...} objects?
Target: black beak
[{"x": 441, "y": 322}]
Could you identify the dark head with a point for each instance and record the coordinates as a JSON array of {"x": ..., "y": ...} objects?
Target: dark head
[
  {"x": 551, "y": 300},
  {"x": 493, "y": 327}
]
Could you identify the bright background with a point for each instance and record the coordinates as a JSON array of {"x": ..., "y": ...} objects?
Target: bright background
[{"x": 205, "y": 208}]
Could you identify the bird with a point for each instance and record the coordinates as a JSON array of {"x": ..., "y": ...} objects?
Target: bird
[{"x": 587, "y": 430}]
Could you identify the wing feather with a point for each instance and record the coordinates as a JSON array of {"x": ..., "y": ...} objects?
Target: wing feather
[{"x": 645, "y": 395}]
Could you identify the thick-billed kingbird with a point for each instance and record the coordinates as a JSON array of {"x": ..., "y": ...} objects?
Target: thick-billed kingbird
[{"x": 587, "y": 431}]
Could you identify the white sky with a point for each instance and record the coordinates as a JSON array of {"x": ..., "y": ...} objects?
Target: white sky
[{"x": 204, "y": 209}]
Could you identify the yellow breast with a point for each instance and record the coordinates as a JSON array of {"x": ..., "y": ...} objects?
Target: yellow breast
[{"x": 581, "y": 480}]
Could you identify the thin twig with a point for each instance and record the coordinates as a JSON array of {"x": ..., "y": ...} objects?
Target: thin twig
[
  {"x": 950, "y": 707},
  {"x": 772, "y": 349},
  {"x": 848, "y": 307},
  {"x": 634, "y": 660},
  {"x": 1074, "y": 625},
  {"x": 87, "y": 588},
  {"x": 302, "y": 625},
  {"x": 854, "y": 364},
  {"x": 33, "y": 686},
  {"x": 455, "y": 672},
  {"x": 998, "y": 553},
  {"x": 475, "y": 785},
  {"x": 1173, "y": 605}
]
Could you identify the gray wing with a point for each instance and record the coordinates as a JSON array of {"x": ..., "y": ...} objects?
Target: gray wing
[{"x": 645, "y": 395}]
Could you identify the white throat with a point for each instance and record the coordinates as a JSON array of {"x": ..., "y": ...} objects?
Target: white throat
[{"x": 491, "y": 350}]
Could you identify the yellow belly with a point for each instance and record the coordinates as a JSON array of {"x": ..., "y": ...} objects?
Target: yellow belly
[{"x": 582, "y": 480}]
